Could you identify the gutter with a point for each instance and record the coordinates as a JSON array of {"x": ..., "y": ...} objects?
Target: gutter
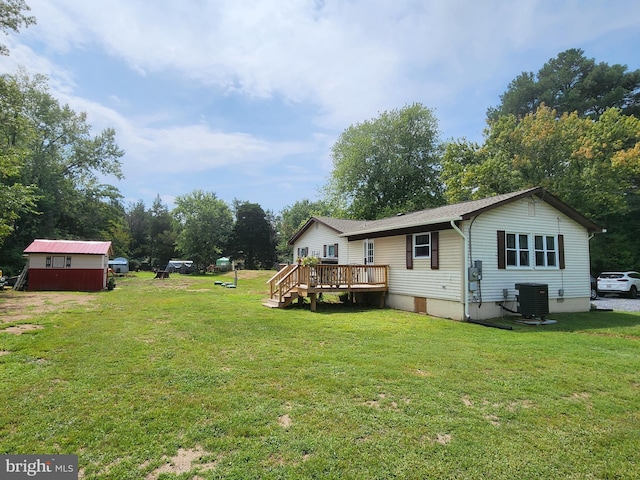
[
  {"x": 391, "y": 228},
  {"x": 465, "y": 270}
]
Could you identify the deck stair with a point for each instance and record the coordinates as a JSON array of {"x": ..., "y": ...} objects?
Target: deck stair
[
  {"x": 283, "y": 290},
  {"x": 295, "y": 281},
  {"x": 285, "y": 301}
]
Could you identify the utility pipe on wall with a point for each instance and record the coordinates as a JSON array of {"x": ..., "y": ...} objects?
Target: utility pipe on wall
[{"x": 465, "y": 270}]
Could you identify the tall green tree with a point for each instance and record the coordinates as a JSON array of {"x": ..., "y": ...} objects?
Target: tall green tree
[
  {"x": 203, "y": 223},
  {"x": 64, "y": 162},
  {"x": 570, "y": 83},
  {"x": 16, "y": 198},
  {"x": 387, "y": 165},
  {"x": 592, "y": 165},
  {"x": 138, "y": 219},
  {"x": 253, "y": 237},
  {"x": 12, "y": 17},
  {"x": 162, "y": 236}
]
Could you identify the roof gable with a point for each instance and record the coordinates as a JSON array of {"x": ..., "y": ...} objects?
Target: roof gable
[
  {"x": 69, "y": 247},
  {"x": 338, "y": 225}
]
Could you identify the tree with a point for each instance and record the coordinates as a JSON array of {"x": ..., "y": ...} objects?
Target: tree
[
  {"x": 162, "y": 237},
  {"x": 138, "y": 220},
  {"x": 387, "y": 165},
  {"x": 16, "y": 198},
  {"x": 12, "y": 18},
  {"x": 572, "y": 83},
  {"x": 203, "y": 225},
  {"x": 592, "y": 165},
  {"x": 56, "y": 161},
  {"x": 253, "y": 237}
]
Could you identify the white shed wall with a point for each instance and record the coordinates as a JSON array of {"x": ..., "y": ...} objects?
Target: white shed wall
[{"x": 39, "y": 260}]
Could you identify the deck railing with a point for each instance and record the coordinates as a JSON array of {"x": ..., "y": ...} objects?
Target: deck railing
[
  {"x": 327, "y": 277},
  {"x": 283, "y": 281},
  {"x": 346, "y": 276}
]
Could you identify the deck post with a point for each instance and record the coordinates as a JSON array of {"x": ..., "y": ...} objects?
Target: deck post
[
  {"x": 382, "y": 298},
  {"x": 313, "y": 296}
]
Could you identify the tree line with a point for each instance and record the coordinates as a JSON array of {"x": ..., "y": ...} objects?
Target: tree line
[{"x": 571, "y": 128}]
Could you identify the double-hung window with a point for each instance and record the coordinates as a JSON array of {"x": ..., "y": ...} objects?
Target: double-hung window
[
  {"x": 518, "y": 250},
  {"x": 546, "y": 252},
  {"x": 421, "y": 245},
  {"x": 530, "y": 250}
]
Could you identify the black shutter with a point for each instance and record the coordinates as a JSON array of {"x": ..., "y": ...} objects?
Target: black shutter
[
  {"x": 435, "y": 251},
  {"x": 336, "y": 250},
  {"x": 502, "y": 250},
  {"x": 561, "y": 251},
  {"x": 409, "y": 252}
]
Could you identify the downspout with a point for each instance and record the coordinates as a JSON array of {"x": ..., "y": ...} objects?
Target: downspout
[{"x": 465, "y": 270}]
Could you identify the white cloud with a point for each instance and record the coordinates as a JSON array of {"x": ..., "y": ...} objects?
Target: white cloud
[{"x": 344, "y": 61}]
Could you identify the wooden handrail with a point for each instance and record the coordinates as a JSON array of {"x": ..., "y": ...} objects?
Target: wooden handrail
[{"x": 327, "y": 277}]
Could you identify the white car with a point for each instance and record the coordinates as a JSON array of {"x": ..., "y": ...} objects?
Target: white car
[{"x": 619, "y": 282}]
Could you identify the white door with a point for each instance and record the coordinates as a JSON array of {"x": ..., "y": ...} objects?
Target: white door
[
  {"x": 368, "y": 260},
  {"x": 368, "y": 252}
]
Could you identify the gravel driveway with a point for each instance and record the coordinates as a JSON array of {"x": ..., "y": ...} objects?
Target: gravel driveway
[{"x": 620, "y": 304}]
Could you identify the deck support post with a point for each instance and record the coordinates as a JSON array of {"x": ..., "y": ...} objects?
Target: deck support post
[
  {"x": 381, "y": 299},
  {"x": 312, "y": 297}
]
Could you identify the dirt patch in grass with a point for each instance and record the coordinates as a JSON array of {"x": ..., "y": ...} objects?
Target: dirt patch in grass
[
  {"x": 285, "y": 421},
  {"x": 184, "y": 461},
  {"x": 20, "y": 329},
  {"x": 18, "y": 306}
]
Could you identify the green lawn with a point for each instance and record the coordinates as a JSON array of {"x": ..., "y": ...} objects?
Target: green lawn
[{"x": 181, "y": 378}]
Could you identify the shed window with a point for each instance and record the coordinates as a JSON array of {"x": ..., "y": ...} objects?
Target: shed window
[{"x": 59, "y": 262}]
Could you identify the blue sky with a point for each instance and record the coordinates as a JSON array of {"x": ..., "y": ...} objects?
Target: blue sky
[{"x": 245, "y": 98}]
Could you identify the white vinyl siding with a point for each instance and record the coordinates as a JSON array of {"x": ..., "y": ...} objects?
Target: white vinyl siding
[
  {"x": 316, "y": 238},
  {"x": 421, "y": 281},
  {"x": 547, "y": 222}
]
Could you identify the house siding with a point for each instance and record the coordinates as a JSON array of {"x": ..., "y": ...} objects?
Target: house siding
[
  {"x": 439, "y": 288},
  {"x": 410, "y": 289},
  {"x": 529, "y": 217},
  {"x": 316, "y": 237}
]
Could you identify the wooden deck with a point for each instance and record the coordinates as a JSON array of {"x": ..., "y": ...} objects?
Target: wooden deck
[{"x": 295, "y": 281}]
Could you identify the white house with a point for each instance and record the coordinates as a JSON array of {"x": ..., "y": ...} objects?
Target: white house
[{"x": 469, "y": 260}]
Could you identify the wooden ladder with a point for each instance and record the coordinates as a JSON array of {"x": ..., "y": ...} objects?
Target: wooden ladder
[{"x": 22, "y": 278}]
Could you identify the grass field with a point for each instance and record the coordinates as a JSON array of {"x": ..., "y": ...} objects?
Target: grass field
[{"x": 184, "y": 379}]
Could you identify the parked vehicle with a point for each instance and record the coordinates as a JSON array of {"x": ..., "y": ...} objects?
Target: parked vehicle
[
  {"x": 594, "y": 288},
  {"x": 619, "y": 282}
]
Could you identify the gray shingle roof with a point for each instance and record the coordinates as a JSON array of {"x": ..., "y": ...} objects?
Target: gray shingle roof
[{"x": 444, "y": 214}]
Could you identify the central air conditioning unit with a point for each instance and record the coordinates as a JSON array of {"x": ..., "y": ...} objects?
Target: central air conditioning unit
[{"x": 533, "y": 299}]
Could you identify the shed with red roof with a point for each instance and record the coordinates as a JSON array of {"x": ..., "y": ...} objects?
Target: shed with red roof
[{"x": 68, "y": 265}]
